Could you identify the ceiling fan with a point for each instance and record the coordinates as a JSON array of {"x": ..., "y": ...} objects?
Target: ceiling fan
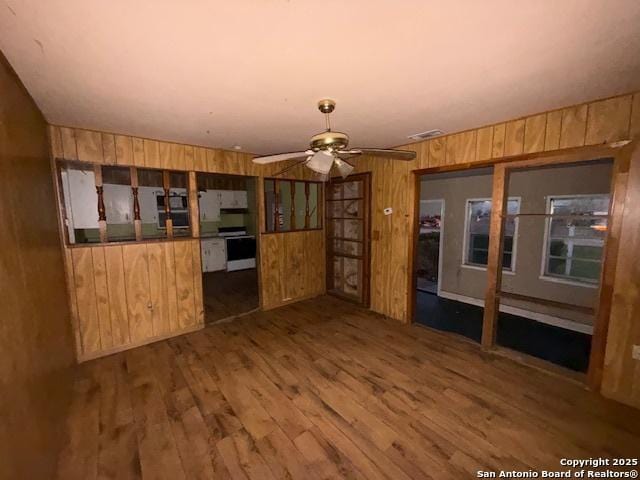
[{"x": 329, "y": 149}]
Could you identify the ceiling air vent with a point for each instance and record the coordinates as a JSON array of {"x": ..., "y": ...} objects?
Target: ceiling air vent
[{"x": 424, "y": 135}]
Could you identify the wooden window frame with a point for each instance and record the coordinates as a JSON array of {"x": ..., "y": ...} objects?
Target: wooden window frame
[
  {"x": 292, "y": 221},
  {"x": 620, "y": 153},
  {"x": 191, "y": 188}
]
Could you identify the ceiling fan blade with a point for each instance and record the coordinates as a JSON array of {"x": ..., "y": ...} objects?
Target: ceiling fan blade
[
  {"x": 343, "y": 154},
  {"x": 290, "y": 167},
  {"x": 282, "y": 156},
  {"x": 344, "y": 168},
  {"x": 321, "y": 162},
  {"x": 388, "y": 153}
]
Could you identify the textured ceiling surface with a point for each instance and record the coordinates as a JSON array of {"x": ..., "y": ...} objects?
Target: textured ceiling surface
[{"x": 249, "y": 72}]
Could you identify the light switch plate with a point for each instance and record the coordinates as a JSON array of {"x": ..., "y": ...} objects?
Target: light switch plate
[{"x": 635, "y": 352}]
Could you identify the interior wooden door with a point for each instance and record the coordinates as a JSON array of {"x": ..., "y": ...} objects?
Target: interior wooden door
[{"x": 348, "y": 204}]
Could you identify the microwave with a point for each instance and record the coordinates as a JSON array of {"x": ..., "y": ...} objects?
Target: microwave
[
  {"x": 179, "y": 205},
  {"x": 176, "y": 202}
]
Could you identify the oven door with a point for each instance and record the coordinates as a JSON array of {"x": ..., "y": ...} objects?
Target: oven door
[{"x": 241, "y": 248}]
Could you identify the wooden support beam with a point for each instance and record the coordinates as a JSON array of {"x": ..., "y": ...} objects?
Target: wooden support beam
[
  {"x": 194, "y": 206},
  {"x": 494, "y": 265},
  {"x": 276, "y": 209},
  {"x": 292, "y": 206},
  {"x": 102, "y": 212},
  {"x": 307, "y": 215},
  {"x": 137, "y": 220},
  {"x": 166, "y": 184},
  {"x": 619, "y": 179}
]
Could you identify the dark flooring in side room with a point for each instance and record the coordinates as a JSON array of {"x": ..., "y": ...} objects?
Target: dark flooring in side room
[
  {"x": 227, "y": 294},
  {"x": 557, "y": 345}
]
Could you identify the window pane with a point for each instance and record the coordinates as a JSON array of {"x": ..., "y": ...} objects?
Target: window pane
[
  {"x": 507, "y": 246},
  {"x": 579, "y": 227},
  {"x": 285, "y": 205},
  {"x": 297, "y": 198},
  {"x": 587, "y": 252},
  {"x": 118, "y": 202},
  {"x": 479, "y": 219},
  {"x": 80, "y": 203},
  {"x": 479, "y": 257},
  {"x": 151, "y": 199},
  {"x": 300, "y": 198},
  {"x": 349, "y": 229},
  {"x": 587, "y": 205},
  {"x": 557, "y": 266},
  {"x": 346, "y": 247},
  {"x": 480, "y": 242},
  {"x": 314, "y": 218},
  {"x": 558, "y": 248},
  {"x": 585, "y": 269},
  {"x": 578, "y": 236},
  {"x": 352, "y": 189},
  {"x": 270, "y": 204},
  {"x": 179, "y": 202}
]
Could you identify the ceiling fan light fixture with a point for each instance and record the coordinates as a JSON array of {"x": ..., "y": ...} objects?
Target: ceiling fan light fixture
[
  {"x": 320, "y": 162},
  {"x": 343, "y": 167}
]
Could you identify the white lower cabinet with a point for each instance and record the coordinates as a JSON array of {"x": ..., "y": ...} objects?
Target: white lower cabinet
[{"x": 214, "y": 254}]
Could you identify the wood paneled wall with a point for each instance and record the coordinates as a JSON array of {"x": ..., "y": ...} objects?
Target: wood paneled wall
[
  {"x": 123, "y": 295},
  {"x": 36, "y": 344},
  {"x": 294, "y": 266},
  {"x": 621, "y": 373},
  {"x": 602, "y": 121}
]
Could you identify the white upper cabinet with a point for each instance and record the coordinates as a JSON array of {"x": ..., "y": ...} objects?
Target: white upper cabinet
[
  {"x": 209, "y": 206},
  {"x": 211, "y": 201},
  {"x": 80, "y": 188},
  {"x": 148, "y": 205},
  {"x": 240, "y": 199},
  {"x": 226, "y": 198},
  {"x": 233, "y": 199}
]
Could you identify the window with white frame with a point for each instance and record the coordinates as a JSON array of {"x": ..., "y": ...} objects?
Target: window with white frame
[
  {"x": 575, "y": 234},
  {"x": 477, "y": 223}
]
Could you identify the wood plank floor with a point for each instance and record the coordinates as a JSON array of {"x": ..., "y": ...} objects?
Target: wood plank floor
[
  {"x": 324, "y": 389},
  {"x": 227, "y": 294}
]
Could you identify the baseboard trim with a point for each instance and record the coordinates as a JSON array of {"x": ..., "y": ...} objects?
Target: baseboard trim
[
  {"x": 520, "y": 312},
  {"x": 146, "y": 341}
]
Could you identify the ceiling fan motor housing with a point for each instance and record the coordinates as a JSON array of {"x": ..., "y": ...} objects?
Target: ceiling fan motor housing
[{"x": 329, "y": 141}]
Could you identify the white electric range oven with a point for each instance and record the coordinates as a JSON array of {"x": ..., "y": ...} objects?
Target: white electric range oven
[{"x": 240, "y": 248}]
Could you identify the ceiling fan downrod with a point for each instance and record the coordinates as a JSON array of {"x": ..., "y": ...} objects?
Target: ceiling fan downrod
[{"x": 327, "y": 106}]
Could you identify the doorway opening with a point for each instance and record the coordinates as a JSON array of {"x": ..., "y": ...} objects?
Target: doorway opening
[
  {"x": 451, "y": 274},
  {"x": 429, "y": 246},
  {"x": 546, "y": 224},
  {"x": 548, "y": 308},
  {"x": 228, "y": 231}
]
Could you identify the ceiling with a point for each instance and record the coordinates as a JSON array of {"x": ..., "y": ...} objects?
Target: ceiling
[{"x": 249, "y": 72}]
